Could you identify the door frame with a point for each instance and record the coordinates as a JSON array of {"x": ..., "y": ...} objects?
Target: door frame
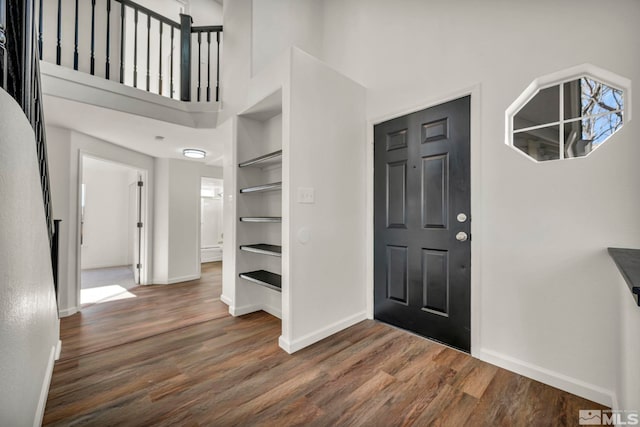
[
  {"x": 476, "y": 199},
  {"x": 145, "y": 238}
]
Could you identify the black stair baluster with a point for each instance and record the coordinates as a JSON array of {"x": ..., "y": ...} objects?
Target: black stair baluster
[
  {"x": 93, "y": 37},
  {"x": 218, "y": 66},
  {"x": 199, "y": 61},
  {"x": 122, "y": 42},
  {"x": 107, "y": 70},
  {"x": 75, "y": 40},
  {"x": 171, "y": 70},
  {"x": 160, "y": 61},
  {"x": 148, "y": 51},
  {"x": 59, "y": 42},
  {"x": 40, "y": 29},
  {"x": 208, "y": 66},
  {"x": 135, "y": 49}
]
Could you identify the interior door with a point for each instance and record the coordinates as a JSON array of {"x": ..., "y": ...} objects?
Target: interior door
[
  {"x": 422, "y": 201},
  {"x": 135, "y": 229}
]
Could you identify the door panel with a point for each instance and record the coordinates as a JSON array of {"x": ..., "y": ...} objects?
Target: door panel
[
  {"x": 397, "y": 194},
  {"x": 397, "y": 273},
  {"x": 435, "y": 191},
  {"x": 421, "y": 183}
]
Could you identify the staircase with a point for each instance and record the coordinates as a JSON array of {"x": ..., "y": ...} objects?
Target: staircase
[{"x": 20, "y": 77}]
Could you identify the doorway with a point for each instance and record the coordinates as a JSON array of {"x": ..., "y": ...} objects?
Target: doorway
[
  {"x": 111, "y": 230},
  {"x": 211, "y": 232},
  {"x": 422, "y": 202}
]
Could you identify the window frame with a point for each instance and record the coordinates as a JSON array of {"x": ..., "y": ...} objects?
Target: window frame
[{"x": 559, "y": 79}]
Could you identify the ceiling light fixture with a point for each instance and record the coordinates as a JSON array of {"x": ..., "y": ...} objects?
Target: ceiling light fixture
[{"x": 193, "y": 153}]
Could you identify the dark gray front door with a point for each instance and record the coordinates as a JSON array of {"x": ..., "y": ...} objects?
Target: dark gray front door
[{"x": 422, "y": 201}]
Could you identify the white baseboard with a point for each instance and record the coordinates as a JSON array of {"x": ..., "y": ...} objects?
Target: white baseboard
[
  {"x": 546, "y": 376},
  {"x": 245, "y": 309},
  {"x": 68, "y": 312},
  {"x": 252, "y": 308},
  {"x": 58, "y": 350},
  {"x": 204, "y": 258},
  {"x": 314, "y": 337},
  {"x": 226, "y": 300},
  {"x": 177, "y": 280},
  {"x": 46, "y": 382},
  {"x": 273, "y": 311}
]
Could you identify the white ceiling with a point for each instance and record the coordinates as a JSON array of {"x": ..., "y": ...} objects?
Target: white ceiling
[{"x": 134, "y": 132}]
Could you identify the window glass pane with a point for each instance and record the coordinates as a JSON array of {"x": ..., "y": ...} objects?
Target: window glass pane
[
  {"x": 597, "y": 129},
  {"x": 587, "y": 97},
  {"x": 572, "y": 100},
  {"x": 541, "y": 144},
  {"x": 575, "y": 145},
  {"x": 544, "y": 108}
]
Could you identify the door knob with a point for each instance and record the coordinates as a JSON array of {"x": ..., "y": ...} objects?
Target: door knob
[{"x": 462, "y": 236}]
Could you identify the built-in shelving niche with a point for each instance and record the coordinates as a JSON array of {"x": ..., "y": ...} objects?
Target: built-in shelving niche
[{"x": 259, "y": 202}]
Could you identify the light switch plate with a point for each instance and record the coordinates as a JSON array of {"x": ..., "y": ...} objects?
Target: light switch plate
[{"x": 306, "y": 195}]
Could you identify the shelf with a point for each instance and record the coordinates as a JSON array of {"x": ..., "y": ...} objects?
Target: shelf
[
  {"x": 263, "y": 249},
  {"x": 628, "y": 262},
  {"x": 261, "y": 188},
  {"x": 263, "y": 161},
  {"x": 264, "y": 278},
  {"x": 260, "y": 219}
]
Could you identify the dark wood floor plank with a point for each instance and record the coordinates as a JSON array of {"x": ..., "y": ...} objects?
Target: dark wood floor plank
[{"x": 172, "y": 356}]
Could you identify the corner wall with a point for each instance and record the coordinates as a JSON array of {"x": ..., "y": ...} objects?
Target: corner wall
[
  {"x": 544, "y": 287},
  {"x": 29, "y": 327},
  {"x": 177, "y": 216},
  {"x": 65, "y": 148}
]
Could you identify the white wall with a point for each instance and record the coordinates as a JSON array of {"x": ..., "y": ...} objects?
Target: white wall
[
  {"x": 542, "y": 289},
  {"x": 177, "y": 209},
  {"x": 65, "y": 149},
  {"x": 211, "y": 219},
  {"x": 29, "y": 327},
  {"x": 107, "y": 214},
  {"x": 50, "y": 28},
  {"x": 249, "y": 52},
  {"x": 627, "y": 370},
  {"x": 280, "y": 24},
  {"x": 204, "y": 12},
  {"x": 326, "y": 283}
]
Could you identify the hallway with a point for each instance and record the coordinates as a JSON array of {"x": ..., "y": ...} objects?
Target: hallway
[{"x": 173, "y": 356}]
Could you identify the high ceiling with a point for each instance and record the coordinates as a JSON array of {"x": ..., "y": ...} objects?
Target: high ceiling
[{"x": 142, "y": 134}]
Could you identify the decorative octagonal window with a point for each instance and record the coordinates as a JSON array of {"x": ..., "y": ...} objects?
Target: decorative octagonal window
[{"x": 569, "y": 117}]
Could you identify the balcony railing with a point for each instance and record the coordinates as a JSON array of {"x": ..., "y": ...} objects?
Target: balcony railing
[{"x": 123, "y": 41}]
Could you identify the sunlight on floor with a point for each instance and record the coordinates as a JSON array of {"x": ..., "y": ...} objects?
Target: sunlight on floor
[{"x": 104, "y": 294}]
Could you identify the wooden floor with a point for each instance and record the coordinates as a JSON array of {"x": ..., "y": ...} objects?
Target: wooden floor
[{"x": 173, "y": 357}]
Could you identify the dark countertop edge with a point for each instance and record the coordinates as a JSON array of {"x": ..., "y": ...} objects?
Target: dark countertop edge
[{"x": 628, "y": 262}]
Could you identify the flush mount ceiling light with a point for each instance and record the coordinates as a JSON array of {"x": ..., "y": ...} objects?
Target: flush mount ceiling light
[{"x": 193, "y": 153}]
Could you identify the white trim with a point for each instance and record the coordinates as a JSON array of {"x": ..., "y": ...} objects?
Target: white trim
[
  {"x": 174, "y": 280},
  {"x": 547, "y": 376},
  {"x": 245, "y": 309},
  {"x": 476, "y": 198},
  {"x": 225, "y": 299},
  {"x": 252, "y": 308},
  {"x": 58, "y": 349},
  {"x": 66, "y": 312},
  {"x": 313, "y": 337},
  {"x": 272, "y": 311},
  {"x": 145, "y": 259},
  {"x": 615, "y": 406},
  {"x": 65, "y": 83},
  {"x": 557, "y": 79},
  {"x": 44, "y": 389}
]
